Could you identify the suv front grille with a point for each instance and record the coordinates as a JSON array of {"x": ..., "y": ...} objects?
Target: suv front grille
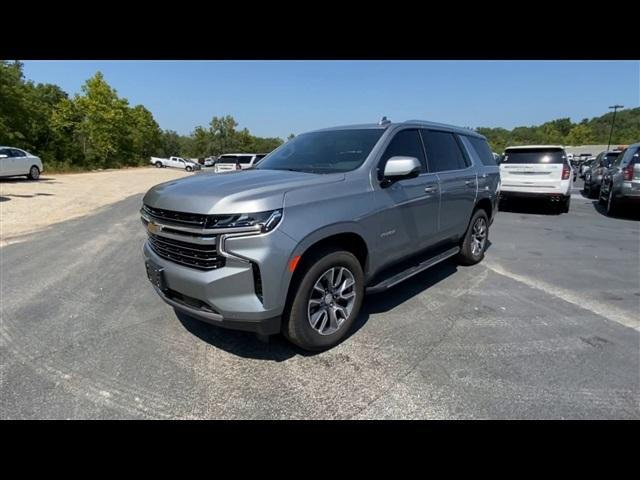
[
  {"x": 192, "y": 220},
  {"x": 194, "y": 255}
]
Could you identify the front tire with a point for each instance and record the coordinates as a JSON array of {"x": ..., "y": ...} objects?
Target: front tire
[
  {"x": 475, "y": 239},
  {"x": 189, "y": 169},
  {"x": 326, "y": 301},
  {"x": 34, "y": 173}
]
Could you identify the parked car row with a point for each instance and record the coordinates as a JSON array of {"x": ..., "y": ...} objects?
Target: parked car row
[{"x": 594, "y": 171}]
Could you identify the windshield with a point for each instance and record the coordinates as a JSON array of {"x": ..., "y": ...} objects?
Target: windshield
[
  {"x": 330, "y": 151},
  {"x": 534, "y": 155}
]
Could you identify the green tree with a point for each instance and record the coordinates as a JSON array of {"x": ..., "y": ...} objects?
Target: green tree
[{"x": 581, "y": 134}]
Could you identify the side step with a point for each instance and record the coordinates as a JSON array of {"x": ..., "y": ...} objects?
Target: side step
[{"x": 411, "y": 271}]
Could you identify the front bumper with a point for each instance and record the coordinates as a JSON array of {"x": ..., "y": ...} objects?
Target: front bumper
[{"x": 227, "y": 296}]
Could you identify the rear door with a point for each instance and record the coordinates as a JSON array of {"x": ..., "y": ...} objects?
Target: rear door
[
  {"x": 457, "y": 179},
  {"x": 535, "y": 169},
  {"x": 20, "y": 163},
  {"x": 486, "y": 166}
]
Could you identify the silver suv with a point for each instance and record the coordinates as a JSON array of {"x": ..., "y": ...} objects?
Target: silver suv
[{"x": 294, "y": 244}]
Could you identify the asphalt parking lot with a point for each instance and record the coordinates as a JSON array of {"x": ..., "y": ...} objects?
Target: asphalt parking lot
[{"x": 546, "y": 327}]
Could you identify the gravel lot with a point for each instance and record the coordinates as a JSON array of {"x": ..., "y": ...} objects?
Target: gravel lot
[
  {"x": 546, "y": 327},
  {"x": 27, "y": 206}
]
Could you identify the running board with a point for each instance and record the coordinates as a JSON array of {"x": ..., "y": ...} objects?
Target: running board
[{"x": 411, "y": 271}]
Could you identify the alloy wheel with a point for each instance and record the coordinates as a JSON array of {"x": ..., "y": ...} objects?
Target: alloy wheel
[{"x": 331, "y": 301}]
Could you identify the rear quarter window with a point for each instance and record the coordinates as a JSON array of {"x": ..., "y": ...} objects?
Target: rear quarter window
[{"x": 481, "y": 147}]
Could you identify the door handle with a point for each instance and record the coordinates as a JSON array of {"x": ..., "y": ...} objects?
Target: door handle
[{"x": 430, "y": 189}]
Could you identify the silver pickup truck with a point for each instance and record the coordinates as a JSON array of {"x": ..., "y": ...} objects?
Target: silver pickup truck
[{"x": 294, "y": 244}]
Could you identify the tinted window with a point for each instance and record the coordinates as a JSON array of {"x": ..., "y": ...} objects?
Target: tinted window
[
  {"x": 228, "y": 159},
  {"x": 17, "y": 153},
  {"x": 258, "y": 158},
  {"x": 534, "y": 155},
  {"x": 443, "y": 151},
  {"x": 328, "y": 151},
  {"x": 626, "y": 156},
  {"x": 481, "y": 147},
  {"x": 609, "y": 158},
  {"x": 405, "y": 143},
  {"x": 245, "y": 159},
  {"x": 5, "y": 151}
]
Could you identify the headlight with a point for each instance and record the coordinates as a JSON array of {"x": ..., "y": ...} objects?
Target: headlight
[{"x": 267, "y": 220}]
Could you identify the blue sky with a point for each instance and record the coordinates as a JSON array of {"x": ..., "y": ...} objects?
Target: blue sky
[{"x": 275, "y": 98}]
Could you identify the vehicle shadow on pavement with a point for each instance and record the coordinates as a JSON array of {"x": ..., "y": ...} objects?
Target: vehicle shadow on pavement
[
  {"x": 624, "y": 212},
  {"x": 4, "y": 199},
  {"x": 31, "y": 196},
  {"x": 279, "y": 349},
  {"x": 26, "y": 180}
]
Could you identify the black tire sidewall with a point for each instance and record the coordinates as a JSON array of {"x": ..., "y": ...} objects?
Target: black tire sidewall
[
  {"x": 297, "y": 328},
  {"x": 465, "y": 257},
  {"x": 37, "y": 175}
]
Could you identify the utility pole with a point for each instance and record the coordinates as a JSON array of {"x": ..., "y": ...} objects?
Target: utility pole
[{"x": 613, "y": 122}]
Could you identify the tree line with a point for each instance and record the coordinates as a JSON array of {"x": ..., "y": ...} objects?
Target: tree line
[
  {"x": 594, "y": 131},
  {"x": 99, "y": 129}
]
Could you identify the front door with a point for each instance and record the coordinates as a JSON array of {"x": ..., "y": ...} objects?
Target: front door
[{"x": 409, "y": 220}]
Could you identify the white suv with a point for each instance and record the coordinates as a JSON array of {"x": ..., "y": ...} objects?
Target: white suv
[
  {"x": 537, "y": 171},
  {"x": 237, "y": 161},
  {"x": 15, "y": 162}
]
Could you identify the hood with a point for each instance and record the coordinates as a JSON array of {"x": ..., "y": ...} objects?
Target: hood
[{"x": 239, "y": 191}]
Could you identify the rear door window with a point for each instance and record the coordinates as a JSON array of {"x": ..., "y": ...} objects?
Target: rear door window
[
  {"x": 245, "y": 159},
  {"x": 443, "y": 151},
  {"x": 534, "y": 156},
  {"x": 17, "y": 153}
]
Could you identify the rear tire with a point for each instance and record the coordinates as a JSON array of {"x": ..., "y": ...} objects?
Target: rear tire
[
  {"x": 612, "y": 204},
  {"x": 34, "y": 173},
  {"x": 565, "y": 205},
  {"x": 475, "y": 239},
  {"x": 158, "y": 164},
  {"x": 307, "y": 304}
]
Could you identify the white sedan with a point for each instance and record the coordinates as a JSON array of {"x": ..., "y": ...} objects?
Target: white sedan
[{"x": 15, "y": 162}]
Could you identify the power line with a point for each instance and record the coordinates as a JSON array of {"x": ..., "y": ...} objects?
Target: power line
[{"x": 613, "y": 121}]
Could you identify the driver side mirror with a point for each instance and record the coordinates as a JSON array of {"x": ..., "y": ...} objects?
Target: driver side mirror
[{"x": 400, "y": 168}]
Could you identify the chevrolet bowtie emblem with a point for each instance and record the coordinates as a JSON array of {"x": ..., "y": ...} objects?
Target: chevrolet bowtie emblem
[{"x": 153, "y": 227}]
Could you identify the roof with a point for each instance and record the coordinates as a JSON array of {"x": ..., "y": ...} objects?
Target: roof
[
  {"x": 515, "y": 147},
  {"x": 418, "y": 123},
  {"x": 225, "y": 154}
]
